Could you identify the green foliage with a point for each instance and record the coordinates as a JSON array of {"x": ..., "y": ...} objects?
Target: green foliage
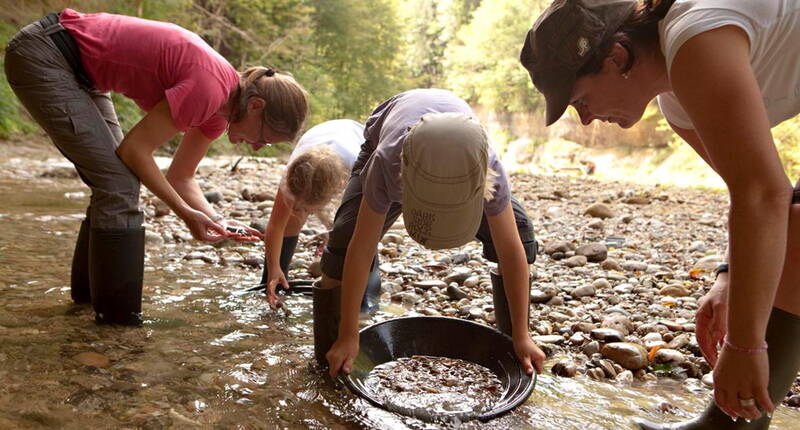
[
  {"x": 787, "y": 139},
  {"x": 356, "y": 63},
  {"x": 352, "y": 54},
  {"x": 12, "y": 121},
  {"x": 483, "y": 63}
]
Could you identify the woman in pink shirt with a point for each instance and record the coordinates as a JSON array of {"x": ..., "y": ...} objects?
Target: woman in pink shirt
[{"x": 63, "y": 67}]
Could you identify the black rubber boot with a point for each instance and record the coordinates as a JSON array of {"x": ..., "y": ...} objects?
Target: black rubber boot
[
  {"x": 502, "y": 315},
  {"x": 288, "y": 246},
  {"x": 79, "y": 276},
  {"x": 327, "y": 314},
  {"x": 116, "y": 268},
  {"x": 371, "y": 301},
  {"x": 783, "y": 338}
]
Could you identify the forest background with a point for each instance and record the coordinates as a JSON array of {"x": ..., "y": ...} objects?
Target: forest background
[{"x": 352, "y": 54}]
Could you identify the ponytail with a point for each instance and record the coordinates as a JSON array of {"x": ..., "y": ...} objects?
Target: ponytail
[{"x": 286, "y": 101}]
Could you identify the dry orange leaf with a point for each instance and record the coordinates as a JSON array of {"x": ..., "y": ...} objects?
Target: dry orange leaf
[
  {"x": 653, "y": 351},
  {"x": 696, "y": 273}
]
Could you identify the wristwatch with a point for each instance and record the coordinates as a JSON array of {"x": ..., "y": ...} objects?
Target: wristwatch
[{"x": 722, "y": 268}]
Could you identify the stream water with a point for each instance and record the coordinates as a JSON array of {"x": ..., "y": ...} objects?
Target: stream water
[{"x": 208, "y": 357}]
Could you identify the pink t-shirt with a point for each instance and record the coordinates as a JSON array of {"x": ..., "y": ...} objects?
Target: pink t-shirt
[{"x": 150, "y": 60}]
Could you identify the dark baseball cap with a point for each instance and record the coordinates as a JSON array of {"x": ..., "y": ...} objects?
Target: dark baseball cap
[{"x": 558, "y": 44}]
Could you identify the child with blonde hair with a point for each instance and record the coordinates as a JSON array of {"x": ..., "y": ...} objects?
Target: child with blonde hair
[{"x": 315, "y": 176}]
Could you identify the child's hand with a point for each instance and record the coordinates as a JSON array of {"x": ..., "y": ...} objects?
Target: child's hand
[
  {"x": 277, "y": 278},
  {"x": 529, "y": 354},
  {"x": 342, "y": 354}
]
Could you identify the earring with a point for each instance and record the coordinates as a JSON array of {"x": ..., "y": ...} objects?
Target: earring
[{"x": 626, "y": 75}]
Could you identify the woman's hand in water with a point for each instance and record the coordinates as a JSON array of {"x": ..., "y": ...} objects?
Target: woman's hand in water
[
  {"x": 712, "y": 319},
  {"x": 529, "y": 354},
  {"x": 239, "y": 231},
  {"x": 342, "y": 353},
  {"x": 202, "y": 227}
]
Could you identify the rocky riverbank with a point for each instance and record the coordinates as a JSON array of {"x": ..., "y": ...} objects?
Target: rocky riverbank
[{"x": 615, "y": 286}]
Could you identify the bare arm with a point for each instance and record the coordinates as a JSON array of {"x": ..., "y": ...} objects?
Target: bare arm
[
  {"x": 273, "y": 243},
  {"x": 719, "y": 91},
  {"x": 713, "y": 80},
  {"x": 136, "y": 151},
  {"x": 514, "y": 268},
  {"x": 360, "y": 253},
  {"x": 181, "y": 173}
]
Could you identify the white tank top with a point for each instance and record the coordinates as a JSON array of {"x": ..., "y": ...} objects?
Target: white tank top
[
  {"x": 344, "y": 136},
  {"x": 773, "y": 27}
]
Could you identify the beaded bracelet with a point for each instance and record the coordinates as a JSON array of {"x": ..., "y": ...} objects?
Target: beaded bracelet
[
  {"x": 735, "y": 348},
  {"x": 217, "y": 217}
]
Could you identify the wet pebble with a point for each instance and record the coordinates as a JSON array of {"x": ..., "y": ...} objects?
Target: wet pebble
[
  {"x": 92, "y": 359},
  {"x": 428, "y": 284},
  {"x": 549, "y": 339},
  {"x": 625, "y": 377},
  {"x": 607, "y": 335},
  {"x": 618, "y": 322},
  {"x": 253, "y": 260},
  {"x": 566, "y": 369},
  {"x": 455, "y": 293},
  {"x": 628, "y": 355},
  {"x": 591, "y": 348},
  {"x": 213, "y": 196},
  {"x": 669, "y": 356}
]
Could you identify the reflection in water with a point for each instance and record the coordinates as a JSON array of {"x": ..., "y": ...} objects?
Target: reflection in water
[{"x": 208, "y": 357}]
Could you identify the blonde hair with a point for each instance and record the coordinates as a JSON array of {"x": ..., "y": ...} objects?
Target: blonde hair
[
  {"x": 491, "y": 181},
  {"x": 287, "y": 101},
  {"x": 314, "y": 177}
]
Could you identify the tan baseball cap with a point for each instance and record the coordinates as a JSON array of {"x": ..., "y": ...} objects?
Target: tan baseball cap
[
  {"x": 559, "y": 43},
  {"x": 444, "y": 163}
]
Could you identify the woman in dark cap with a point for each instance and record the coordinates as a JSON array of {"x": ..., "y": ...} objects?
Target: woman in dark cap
[
  {"x": 62, "y": 69},
  {"x": 724, "y": 72}
]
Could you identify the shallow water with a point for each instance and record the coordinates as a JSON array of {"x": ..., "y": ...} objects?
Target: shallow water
[{"x": 209, "y": 358}]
